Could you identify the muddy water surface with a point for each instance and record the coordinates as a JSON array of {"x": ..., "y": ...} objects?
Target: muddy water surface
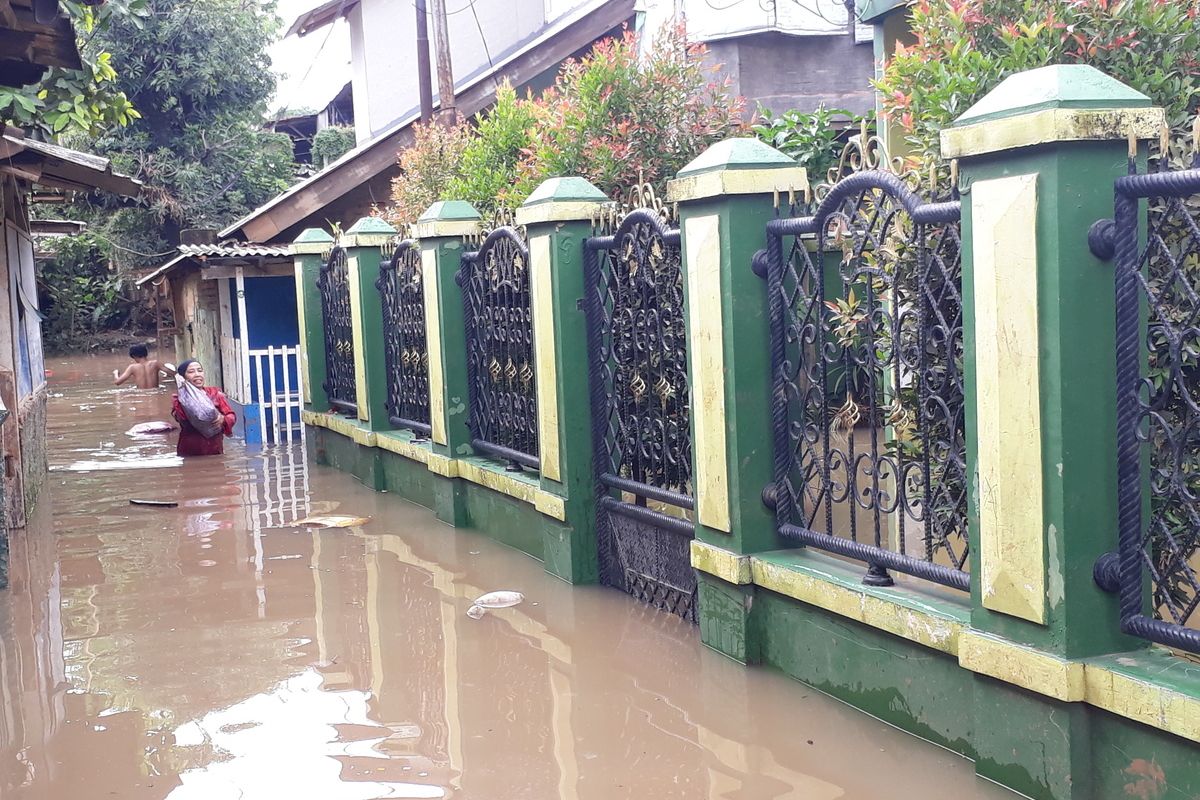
[{"x": 217, "y": 651}]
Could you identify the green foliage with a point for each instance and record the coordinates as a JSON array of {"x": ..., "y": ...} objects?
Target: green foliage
[
  {"x": 616, "y": 119},
  {"x": 79, "y": 294},
  {"x": 427, "y": 167},
  {"x": 964, "y": 48},
  {"x": 611, "y": 117},
  {"x": 492, "y": 156},
  {"x": 78, "y": 101},
  {"x": 198, "y": 72},
  {"x": 813, "y": 138},
  {"x": 332, "y": 143}
]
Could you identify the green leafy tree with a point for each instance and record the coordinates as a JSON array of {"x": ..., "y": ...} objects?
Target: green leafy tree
[
  {"x": 615, "y": 117},
  {"x": 78, "y": 101},
  {"x": 813, "y": 138},
  {"x": 492, "y": 156},
  {"x": 199, "y": 75},
  {"x": 964, "y": 48}
]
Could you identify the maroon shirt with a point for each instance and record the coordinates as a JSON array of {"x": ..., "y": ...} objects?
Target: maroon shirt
[{"x": 191, "y": 441}]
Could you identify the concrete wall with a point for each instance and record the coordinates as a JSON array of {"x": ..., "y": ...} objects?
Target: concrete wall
[{"x": 782, "y": 71}]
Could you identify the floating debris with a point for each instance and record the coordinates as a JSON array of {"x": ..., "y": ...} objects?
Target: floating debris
[
  {"x": 494, "y": 600},
  {"x": 154, "y": 503},
  {"x": 332, "y": 521},
  {"x": 150, "y": 427}
]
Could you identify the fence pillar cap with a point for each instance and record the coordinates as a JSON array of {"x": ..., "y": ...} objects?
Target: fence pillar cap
[
  {"x": 311, "y": 240},
  {"x": 447, "y": 218},
  {"x": 561, "y": 200},
  {"x": 737, "y": 166},
  {"x": 1058, "y": 103},
  {"x": 369, "y": 232}
]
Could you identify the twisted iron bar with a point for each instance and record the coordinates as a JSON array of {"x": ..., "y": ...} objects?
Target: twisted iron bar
[
  {"x": 333, "y": 284},
  {"x": 502, "y": 399},
  {"x": 406, "y": 357},
  {"x": 1136, "y": 417},
  {"x": 901, "y": 332}
]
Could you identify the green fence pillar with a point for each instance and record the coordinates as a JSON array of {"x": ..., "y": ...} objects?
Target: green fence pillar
[
  {"x": 725, "y": 199},
  {"x": 441, "y": 230},
  {"x": 558, "y": 219},
  {"x": 1038, "y": 156},
  {"x": 308, "y": 251},
  {"x": 364, "y": 249}
]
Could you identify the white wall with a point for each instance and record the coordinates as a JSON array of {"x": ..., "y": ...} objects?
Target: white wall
[
  {"x": 383, "y": 39},
  {"x": 717, "y": 19}
]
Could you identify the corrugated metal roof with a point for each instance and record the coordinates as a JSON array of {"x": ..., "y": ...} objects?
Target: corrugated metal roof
[
  {"x": 56, "y": 166},
  {"x": 233, "y": 250},
  {"x": 205, "y": 252}
]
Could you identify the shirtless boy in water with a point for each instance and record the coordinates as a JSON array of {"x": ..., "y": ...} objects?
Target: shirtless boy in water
[{"x": 144, "y": 371}]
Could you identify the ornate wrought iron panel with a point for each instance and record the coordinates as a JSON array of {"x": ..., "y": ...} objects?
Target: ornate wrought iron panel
[
  {"x": 500, "y": 368},
  {"x": 402, "y": 295},
  {"x": 334, "y": 285},
  {"x": 641, "y": 432},
  {"x": 1158, "y": 407},
  {"x": 866, "y": 353}
]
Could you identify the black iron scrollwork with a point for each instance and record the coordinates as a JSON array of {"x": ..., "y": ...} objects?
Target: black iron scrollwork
[
  {"x": 402, "y": 294},
  {"x": 500, "y": 368},
  {"x": 867, "y": 357},
  {"x": 1158, "y": 406},
  {"x": 334, "y": 286}
]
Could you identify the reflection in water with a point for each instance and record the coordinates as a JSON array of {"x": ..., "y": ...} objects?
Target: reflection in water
[{"x": 216, "y": 651}]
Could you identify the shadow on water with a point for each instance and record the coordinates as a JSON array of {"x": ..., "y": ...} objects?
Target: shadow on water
[{"x": 215, "y": 650}]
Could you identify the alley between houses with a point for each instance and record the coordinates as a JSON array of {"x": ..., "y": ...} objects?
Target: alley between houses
[{"x": 216, "y": 650}]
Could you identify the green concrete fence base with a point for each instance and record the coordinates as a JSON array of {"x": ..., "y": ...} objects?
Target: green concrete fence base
[
  {"x": 1030, "y": 743},
  {"x": 450, "y": 502},
  {"x": 725, "y": 619}
]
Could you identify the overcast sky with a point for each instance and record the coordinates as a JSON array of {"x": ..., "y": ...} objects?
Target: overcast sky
[{"x": 312, "y": 69}]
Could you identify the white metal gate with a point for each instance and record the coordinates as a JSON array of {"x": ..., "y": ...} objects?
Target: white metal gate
[{"x": 276, "y": 373}]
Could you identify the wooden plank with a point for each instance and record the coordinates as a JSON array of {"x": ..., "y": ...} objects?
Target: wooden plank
[{"x": 231, "y": 270}]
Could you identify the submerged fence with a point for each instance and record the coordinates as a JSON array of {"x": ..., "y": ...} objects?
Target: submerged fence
[{"x": 924, "y": 423}]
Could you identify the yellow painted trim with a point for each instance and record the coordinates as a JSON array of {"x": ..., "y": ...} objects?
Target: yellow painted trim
[
  {"x": 367, "y": 239},
  {"x": 558, "y": 211},
  {"x": 721, "y": 563},
  {"x": 545, "y": 502},
  {"x": 433, "y": 345},
  {"x": 346, "y": 427},
  {"x": 550, "y": 504},
  {"x": 1021, "y": 666},
  {"x": 737, "y": 181},
  {"x": 706, "y": 343},
  {"x": 356, "y": 333},
  {"x": 1142, "y": 701},
  {"x": 1012, "y": 536},
  {"x": 305, "y": 390},
  {"x": 441, "y": 229},
  {"x": 1051, "y": 125},
  {"x": 923, "y": 627},
  {"x": 310, "y": 248},
  {"x": 403, "y": 447},
  {"x": 541, "y": 287}
]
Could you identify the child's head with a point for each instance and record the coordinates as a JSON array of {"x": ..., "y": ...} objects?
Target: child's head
[
  {"x": 192, "y": 372},
  {"x": 138, "y": 351}
]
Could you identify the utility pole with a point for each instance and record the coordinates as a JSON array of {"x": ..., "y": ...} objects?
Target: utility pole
[
  {"x": 423, "y": 76},
  {"x": 441, "y": 35}
]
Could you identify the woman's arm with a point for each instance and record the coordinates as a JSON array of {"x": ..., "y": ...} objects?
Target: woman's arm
[{"x": 223, "y": 406}]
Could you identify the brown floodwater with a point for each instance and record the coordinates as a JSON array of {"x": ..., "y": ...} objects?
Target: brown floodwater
[{"x": 216, "y": 651}]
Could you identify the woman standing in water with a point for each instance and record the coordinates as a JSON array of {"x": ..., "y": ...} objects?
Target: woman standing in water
[{"x": 191, "y": 441}]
